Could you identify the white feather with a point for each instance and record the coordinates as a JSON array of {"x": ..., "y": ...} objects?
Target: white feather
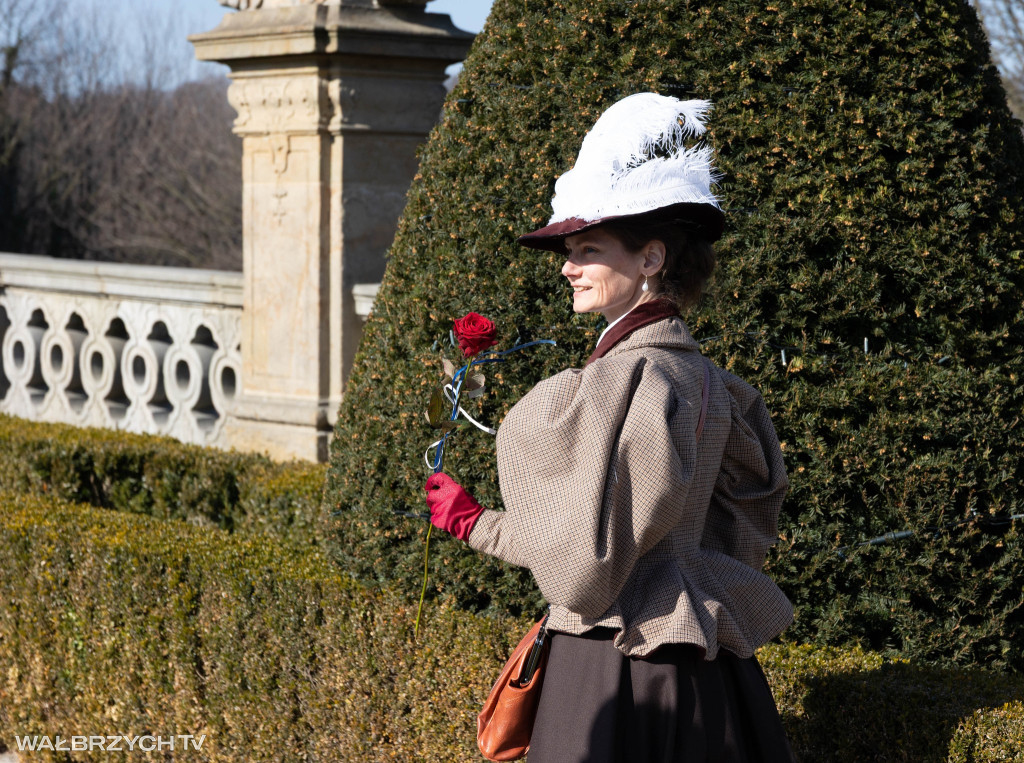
[{"x": 635, "y": 160}]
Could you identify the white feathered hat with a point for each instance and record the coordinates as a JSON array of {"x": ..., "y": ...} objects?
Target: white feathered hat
[{"x": 634, "y": 162}]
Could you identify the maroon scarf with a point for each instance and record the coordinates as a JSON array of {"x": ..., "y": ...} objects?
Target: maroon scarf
[{"x": 641, "y": 315}]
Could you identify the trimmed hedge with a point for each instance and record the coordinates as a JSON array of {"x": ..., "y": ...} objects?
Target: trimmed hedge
[
  {"x": 162, "y": 478},
  {"x": 874, "y": 709},
  {"x": 873, "y": 179},
  {"x": 113, "y": 623},
  {"x": 990, "y": 736}
]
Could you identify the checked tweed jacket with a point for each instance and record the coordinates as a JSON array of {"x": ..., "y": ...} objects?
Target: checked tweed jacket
[{"x": 624, "y": 519}]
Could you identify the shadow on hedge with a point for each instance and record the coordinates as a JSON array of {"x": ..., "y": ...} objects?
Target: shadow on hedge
[{"x": 897, "y": 712}]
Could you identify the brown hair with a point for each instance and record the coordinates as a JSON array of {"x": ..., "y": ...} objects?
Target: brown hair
[{"x": 689, "y": 256}]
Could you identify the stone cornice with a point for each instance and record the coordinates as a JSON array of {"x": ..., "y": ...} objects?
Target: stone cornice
[
  {"x": 115, "y": 280},
  {"x": 316, "y": 30}
]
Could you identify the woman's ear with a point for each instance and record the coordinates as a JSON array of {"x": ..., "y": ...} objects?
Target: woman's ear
[{"x": 654, "y": 257}]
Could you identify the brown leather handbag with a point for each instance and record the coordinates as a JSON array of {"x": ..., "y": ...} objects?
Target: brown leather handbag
[{"x": 504, "y": 726}]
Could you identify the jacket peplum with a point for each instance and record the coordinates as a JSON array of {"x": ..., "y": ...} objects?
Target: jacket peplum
[{"x": 624, "y": 519}]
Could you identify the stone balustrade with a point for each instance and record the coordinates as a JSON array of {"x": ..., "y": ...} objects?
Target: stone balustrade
[
  {"x": 137, "y": 348},
  {"x": 131, "y": 347}
]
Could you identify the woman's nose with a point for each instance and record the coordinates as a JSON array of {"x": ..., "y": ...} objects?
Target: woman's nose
[{"x": 570, "y": 269}]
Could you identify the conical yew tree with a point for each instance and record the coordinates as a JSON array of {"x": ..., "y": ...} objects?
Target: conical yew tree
[{"x": 870, "y": 283}]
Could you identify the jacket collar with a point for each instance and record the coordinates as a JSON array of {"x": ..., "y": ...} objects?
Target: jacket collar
[{"x": 654, "y": 323}]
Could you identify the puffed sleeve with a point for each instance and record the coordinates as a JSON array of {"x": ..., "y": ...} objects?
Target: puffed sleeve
[
  {"x": 595, "y": 467},
  {"x": 742, "y": 519}
]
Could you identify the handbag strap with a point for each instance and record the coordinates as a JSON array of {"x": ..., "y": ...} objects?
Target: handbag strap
[
  {"x": 533, "y": 659},
  {"x": 704, "y": 395}
]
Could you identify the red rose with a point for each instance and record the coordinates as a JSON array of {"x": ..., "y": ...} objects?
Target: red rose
[{"x": 475, "y": 333}]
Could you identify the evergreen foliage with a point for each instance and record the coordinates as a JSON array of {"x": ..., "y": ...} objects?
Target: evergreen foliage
[{"x": 873, "y": 179}]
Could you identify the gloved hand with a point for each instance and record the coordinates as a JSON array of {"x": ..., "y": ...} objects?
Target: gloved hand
[{"x": 452, "y": 509}]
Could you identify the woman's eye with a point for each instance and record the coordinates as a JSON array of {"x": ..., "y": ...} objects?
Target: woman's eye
[{"x": 584, "y": 251}]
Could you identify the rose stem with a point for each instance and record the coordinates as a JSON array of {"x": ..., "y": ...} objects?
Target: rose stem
[{"x": 423, "y": 593}]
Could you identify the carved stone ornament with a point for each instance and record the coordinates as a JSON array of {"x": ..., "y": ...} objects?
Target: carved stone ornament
[{"x": 281, "y": 104}]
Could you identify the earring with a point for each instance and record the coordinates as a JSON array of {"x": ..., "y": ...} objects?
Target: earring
[{"x": 645, "y": 287}]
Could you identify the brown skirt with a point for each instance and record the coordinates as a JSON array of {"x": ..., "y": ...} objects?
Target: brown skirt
[{"x": 599, "y": 706}]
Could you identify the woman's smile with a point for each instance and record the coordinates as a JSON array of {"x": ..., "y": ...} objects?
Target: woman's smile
[{"x": 605, "y": 277}]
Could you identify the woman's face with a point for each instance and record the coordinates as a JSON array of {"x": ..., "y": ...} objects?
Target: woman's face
[{"x": 605, "y": 277}]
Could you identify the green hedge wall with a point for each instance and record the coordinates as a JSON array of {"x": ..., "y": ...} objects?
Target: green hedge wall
[
  {"x": 873, "y": 179},
  {"x": 163, "y": 478},
  {"x": 113, "y": 623}
]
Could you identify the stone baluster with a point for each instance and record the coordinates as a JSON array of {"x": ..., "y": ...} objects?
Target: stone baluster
[{"x": 139, "y": 348}]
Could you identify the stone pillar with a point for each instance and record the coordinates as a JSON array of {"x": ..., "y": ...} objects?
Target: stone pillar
[{"x": 333, "y": 99}]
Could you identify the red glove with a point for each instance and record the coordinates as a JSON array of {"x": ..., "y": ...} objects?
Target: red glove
[{"x": 452, "y": 509}]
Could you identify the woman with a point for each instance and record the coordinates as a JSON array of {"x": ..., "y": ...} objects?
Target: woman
[{"x": 642, "y": 491}]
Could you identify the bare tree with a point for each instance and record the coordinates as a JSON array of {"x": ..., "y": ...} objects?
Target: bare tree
[
  {"x": 168, "y": 189},
  {"x": 23, "y": 27},
  {"x": 1004, "y": 23},
  {"x": 105, "y": 153}
]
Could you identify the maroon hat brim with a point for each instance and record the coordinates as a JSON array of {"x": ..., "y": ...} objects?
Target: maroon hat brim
[{"x": 707, "y": 217}]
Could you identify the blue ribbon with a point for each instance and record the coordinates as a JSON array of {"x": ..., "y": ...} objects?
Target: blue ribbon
[{"x": 460, "y": 377}]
